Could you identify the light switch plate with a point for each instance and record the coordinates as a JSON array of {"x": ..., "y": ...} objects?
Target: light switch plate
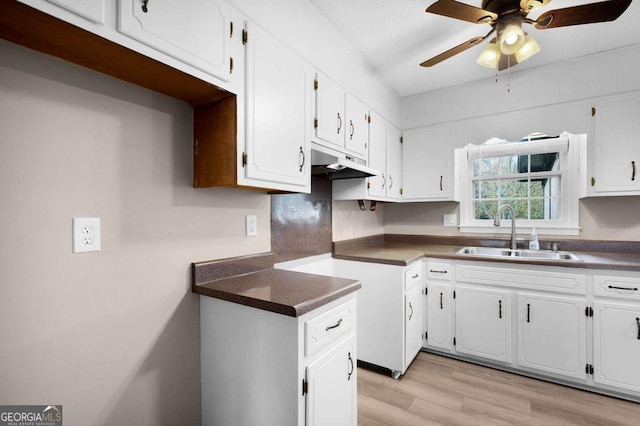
[
  {"x": 252, "y": 225},
  {"x": 450, "y": 220},
  {"x": 86, "y": 234}
]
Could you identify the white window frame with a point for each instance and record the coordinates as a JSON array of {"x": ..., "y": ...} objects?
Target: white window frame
[{"x": 567, "y": 145}]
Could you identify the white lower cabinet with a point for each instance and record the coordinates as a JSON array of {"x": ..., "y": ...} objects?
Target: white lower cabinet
[
  {"x": 331, "y": 397},
  {"x": 483, "y": 322},
  {"x": 552, "y": 334},
  {"x": 439, "y": 306},
  {"x": 616, "y": 345},
  {"x": 389, "y": 312},
  {"x": 413, "y": 323},
  {"x": 263, "y": 368}
]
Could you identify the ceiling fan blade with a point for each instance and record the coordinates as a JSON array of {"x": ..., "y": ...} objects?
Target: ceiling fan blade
[
  {"x": 584, "y": 14},
  {"x": 462, "y": 11},
  {"x": 452, "y": 52}
]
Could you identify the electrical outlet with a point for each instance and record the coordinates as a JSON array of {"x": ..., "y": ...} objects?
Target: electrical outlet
[
  {"x": 450, "y": 220},
  {"x": 252, "y": 225},
  {"x": 86, "y": 234}
]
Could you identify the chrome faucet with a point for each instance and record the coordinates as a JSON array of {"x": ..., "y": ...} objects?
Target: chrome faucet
[{"x": 512, "y": 212}]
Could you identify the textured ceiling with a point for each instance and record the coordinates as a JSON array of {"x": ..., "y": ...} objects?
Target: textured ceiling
[{"x": 395, "y": 36}]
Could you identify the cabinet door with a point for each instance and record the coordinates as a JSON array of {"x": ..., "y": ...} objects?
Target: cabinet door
[
  {"x": 439, "y": 315},
  {"x": 413, "y": 324},
  {"x": 196, "y": 32},
  {"x": 394, "y": 163},
  {"x": 616, "y": 145},
  {"x": 330, "y": 123},
  {"x": 377, "y": 156},
  {"x": 483, "y": 322},
  {"x": 278, "y": 101},
  {"x": 616, "y": 345},
  {"x": 331, "y": 398},
  {"x": 552, "y": 334},
  {"x": 356, "y": 139},
  {"x": 91, "y": 10},
  {"x": 426, "y": 165}
]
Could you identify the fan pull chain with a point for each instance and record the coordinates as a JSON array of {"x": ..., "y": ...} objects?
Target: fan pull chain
[{"x": 509, "y": 74}]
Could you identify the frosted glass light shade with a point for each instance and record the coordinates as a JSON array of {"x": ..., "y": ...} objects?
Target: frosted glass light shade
[
  {"x": 489, "y": 56},
  {"x": 528, "y": 49},
  {"x": 511, "y": 39}
]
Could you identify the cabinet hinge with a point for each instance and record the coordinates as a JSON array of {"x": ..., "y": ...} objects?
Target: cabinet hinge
[
  {"x": 365, "y": 145},
  {"x": 593, "y": 111},
  {"x": 245, "y": 36},
  {"x": 230, "y": 65},
  {"x": 244, "y": 159},
  {"x": 305, "y": 387},
  {"x": 230, "y": 29},
  {"x": 454, "y": 341},
  {"x": 315, "y": 123},
  {"x": 454, "y": 294},
  {"x": 593, "y": 181},
  {"x": 368, "y": 185},
  {"x": 315, "y": 84},
  {"x": 426, "y": 290},
  {"x": 588, "y": 311},
  {"x": 588, "y": 369},
  {"x": 426, "y": 336},
  {"x": 368, "y": 118},
  {"x": 400, "y": 191}
]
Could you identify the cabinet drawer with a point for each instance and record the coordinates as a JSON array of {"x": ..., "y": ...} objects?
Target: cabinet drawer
[
  {"x": 439, "y": 271},
  {"x": 619, "y": 287},
  {"x": 413, "y": 277},
  {"x": 326, "y": 328}
]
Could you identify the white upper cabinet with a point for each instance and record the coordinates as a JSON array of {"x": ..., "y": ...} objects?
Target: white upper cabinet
[
  {"x": 394, "y": 163},
  {"x": 92, "y": 10},
  {"x": 427, "y": 164},
  {"x": 279, "y": 97},
  {"x": 614, "y": 146},
  {"x": 196, "y": 32},
  {"x": 341, "y": 121},
  {"x": 356, "y": 137}
]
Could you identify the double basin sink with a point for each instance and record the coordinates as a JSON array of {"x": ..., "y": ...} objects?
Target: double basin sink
[{"x": 522, "y": 254}]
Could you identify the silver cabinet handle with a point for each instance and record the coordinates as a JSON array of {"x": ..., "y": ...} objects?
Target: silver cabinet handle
[
  {"x": 390, "y": 181},
  {"x": 351, "y": 362},
  {"x": 440, "y": 183},
  {"x": 500, "y": 309},
  {"x": 353, "y": 129},
  {"x": 144, "y": 6},
  {"x": 339, "y": 123},
  {"x": 334, "y": 326},
  {"x": 384, "y": 181},
  {"x": 633, "y": 170},
  {"x": 613, "y": 287},
  {"x": 411, "y": 314},
  {"x": 435, "y": 271},
  {"x": 638, "y": 324},
  {"x": 415, "y": 276},
  {"x": 441, "y": 307}
]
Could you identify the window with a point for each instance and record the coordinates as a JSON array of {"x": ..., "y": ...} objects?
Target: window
[{"x": 538, "y": 177}]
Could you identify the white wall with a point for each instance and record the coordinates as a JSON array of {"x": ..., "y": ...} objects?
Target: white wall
[
  {"x": 350, "y": 222},
  {"x": 547, "y": 99},
  {"x": 113, "y": 336}
]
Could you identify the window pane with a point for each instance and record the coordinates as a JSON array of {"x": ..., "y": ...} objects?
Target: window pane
[
  {"x": 509, "y": 165},
  {"x": 485, "y": 189},
  {"x": 485, "y": 209},
  {"x": 514, "y": 188},
  {"x": 545, "y": 208}
]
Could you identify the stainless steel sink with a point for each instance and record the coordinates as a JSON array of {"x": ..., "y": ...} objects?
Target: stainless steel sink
[{"x": 531, "y": 254}]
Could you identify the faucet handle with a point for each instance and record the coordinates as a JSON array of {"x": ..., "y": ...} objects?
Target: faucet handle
[{"x": 554, "y": 247}]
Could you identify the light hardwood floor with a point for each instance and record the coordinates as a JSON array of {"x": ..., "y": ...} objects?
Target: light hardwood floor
[{"x": 440, "y": 391}]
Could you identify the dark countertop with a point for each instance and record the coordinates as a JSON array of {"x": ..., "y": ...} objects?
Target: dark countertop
[
  {"x": 393, "y": 251},
  {"x": 280, "y": 291}
]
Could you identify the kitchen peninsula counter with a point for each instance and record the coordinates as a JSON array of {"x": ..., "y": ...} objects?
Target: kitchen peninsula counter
[{"x": 252, "y": 281}]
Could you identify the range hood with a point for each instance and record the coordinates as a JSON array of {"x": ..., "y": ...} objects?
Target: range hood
[{"x": 337, "y": 165}]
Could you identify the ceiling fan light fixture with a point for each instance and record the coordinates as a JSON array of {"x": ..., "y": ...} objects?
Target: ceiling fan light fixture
[
  {"x": 511, "y": 39},
  {"x": 490, "y": 56},
  {"x": 528, "y": 49}
]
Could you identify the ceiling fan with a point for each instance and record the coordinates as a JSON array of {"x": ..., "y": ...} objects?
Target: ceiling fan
[{"x": 512, "y": 45}]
